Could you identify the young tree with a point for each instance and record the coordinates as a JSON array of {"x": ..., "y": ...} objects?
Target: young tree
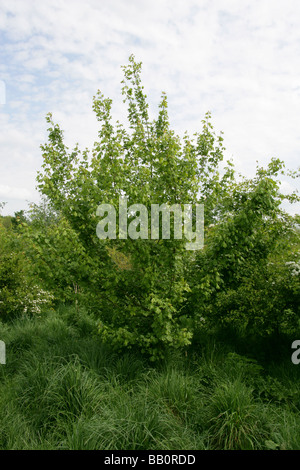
[
  {"x": 141, "y": 284},
  {"x": 152, "y": 292}
]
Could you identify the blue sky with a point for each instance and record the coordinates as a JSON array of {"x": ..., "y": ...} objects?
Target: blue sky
[{"x": 239, "y": 59}]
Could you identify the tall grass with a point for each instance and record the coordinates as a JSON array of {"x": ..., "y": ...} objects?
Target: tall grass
[{"x": 63, "y": 389}]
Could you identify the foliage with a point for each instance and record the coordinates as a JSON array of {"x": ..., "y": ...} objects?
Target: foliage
[
  {"x": 154, "y": 294},
  {"x": 20, "y": 292},
  {"x": 163, "y": 290},
  {"x": 149, "y": 164},
  {"x": 59, "y": 258},
  {"x": 219, "y": 322},
  {"x": 245, "y": 275}
]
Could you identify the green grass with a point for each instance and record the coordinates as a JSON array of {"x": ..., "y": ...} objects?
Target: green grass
[{"x": 61, "y": 388}]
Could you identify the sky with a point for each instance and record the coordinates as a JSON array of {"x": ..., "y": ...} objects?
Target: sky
[{"x": 238, "y": 59}]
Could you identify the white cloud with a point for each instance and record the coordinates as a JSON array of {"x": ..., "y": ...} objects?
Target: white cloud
[
  {"x": 238, "y": 59},
  {"x": 2, "y": 92},
  {"x": 14, "y": 192}
]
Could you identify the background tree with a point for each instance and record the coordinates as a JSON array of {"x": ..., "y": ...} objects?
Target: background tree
[
  {"x": 243, "y": 278},
  {"x": 21, "y": 290}
]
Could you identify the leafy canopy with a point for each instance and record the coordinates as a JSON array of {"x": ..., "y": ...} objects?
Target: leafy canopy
[{"x": 152, "y": 293}]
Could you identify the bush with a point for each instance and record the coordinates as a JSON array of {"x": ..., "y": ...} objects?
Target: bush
[{"x": 19, "y": 293}]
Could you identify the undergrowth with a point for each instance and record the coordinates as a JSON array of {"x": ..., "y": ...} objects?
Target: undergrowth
[{"x": 61, "y": 388}]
